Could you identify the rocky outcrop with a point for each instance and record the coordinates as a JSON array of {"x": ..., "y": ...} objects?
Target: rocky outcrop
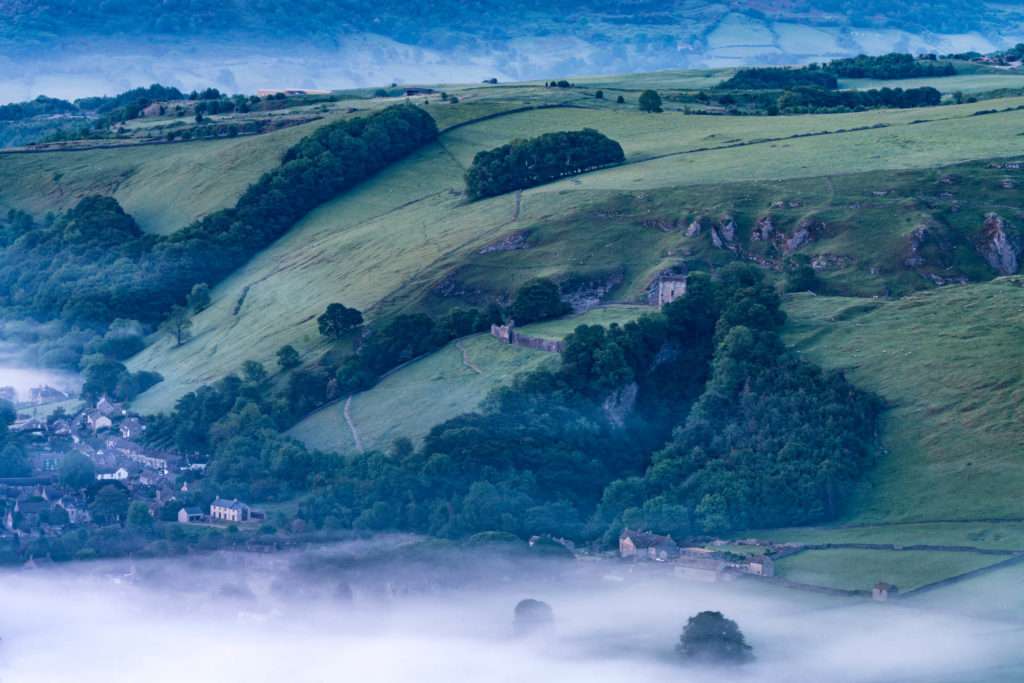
[
  {"x": 695, "y": 227},
  {"x": 513, "y": 242},
  {"x": 764, "y": 230},
  {"x": 806, "y": 232},
  {"x": 585, "y": 294},
  {"x": 723, "y": 235},
  {"x": 830, "y": 262},
  {"x": 915, "y": 242},
  {"x": 620, "y": 403},
  {"x": 999, "y": 246}
]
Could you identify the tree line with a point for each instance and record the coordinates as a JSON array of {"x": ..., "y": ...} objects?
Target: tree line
[
  {"x": 527, "y": 163},
  {"x": 92, "y": 264}
]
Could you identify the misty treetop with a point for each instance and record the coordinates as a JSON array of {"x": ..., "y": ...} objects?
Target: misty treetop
[{"x": 526, "y": 163}]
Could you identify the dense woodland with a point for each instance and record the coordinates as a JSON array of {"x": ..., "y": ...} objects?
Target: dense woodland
[
  {"x": 93, "y": 265},
  {"x": 527, "y": 163},
  {"x": 693, "y": 421}
]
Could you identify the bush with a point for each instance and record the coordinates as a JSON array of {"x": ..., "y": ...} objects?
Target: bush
[
  {"x": 650, "y": 102},
  {"x": 710, "y": 637},
  {"x": 537, "y": 300}
]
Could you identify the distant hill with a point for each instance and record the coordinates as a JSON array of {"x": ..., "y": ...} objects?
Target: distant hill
[{"x": 243, "y": 46}]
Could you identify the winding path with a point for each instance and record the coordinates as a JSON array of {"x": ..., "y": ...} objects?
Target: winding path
[
  {"x": 352, "y": 425},
  {"x": 465, "y": 358}
]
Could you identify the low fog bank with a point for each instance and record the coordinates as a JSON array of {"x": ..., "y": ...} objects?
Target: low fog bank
[
  {"x": 86, "y": 68},
  {"x": 392, "y": 611}
]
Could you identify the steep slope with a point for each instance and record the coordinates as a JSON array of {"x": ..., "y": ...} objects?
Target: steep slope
[
  {"x": 165, "y": 187},
  {"x": 949, "y": 362},
  {"x": 408, "y": 238}
]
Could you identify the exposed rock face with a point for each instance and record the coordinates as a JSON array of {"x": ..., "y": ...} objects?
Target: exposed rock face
[
  {"x": 585, "y": 295},
  {"x": 723, "y": 235},
  {"x": 999, "y": 247},
  {"x": 695, "y": 227},
  {"x": 830, "y": 261},
  {"x": 513, "y": 242},
  {"x": 917, "y": 239},
  {"x": 806, "y": 232},
  {"x": 620, "y": 403},
  {"x": 764, "y": 229}
]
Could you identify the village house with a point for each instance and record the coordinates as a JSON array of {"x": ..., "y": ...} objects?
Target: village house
[
  {"x": 190, "y": 514},
  {"x": 132, "y": 428},
  {"x": 882, "y": 591},
  {"x": 670, "y": 289},
  {"x": 705, "y": 569},
  {"x": 641, "y": 545},
  {"x": 97, "y": 421},
  {"x": 229, "y": 510},
  {"x": 118, "y": 474},
  {"x": 761, "y": 565},
  {"x": 108, "y": 408}
]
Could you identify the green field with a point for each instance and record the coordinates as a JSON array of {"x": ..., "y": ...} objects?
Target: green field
[
  {"x": 387, "y": 244},
  {"x": 985, "y": 535},
  {"x": 441, "y": 386},
  {"x": 967, "y": 83},
  {"x": 165, "y": 187},
  {"x": 409, "y": 402},
  {"x": 860, "y": 569},
  {"x": 948, "y": 362}
]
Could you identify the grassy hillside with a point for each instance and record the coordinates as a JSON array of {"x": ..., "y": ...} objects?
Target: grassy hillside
[
  {"x": 408, "y": 238},
  {"x": 164, "y": 187},
  {"x": 949, "y": 363},
  {"x": 452, "y": 381},
  {"x": 409, "y": 402}
]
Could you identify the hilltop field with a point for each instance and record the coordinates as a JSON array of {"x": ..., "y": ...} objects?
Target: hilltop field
[{"x": 891, "y": 207}]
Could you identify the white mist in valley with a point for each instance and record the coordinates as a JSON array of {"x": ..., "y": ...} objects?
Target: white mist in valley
[{"x": 350, "y": 612}]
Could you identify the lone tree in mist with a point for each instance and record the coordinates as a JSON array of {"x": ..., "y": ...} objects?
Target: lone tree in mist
[
  {"x": 711, "y": 638},
  {"x": 178, "y": 325},
  {"x": 533, "y": 615},
  {"x": 650, "y": 102}
]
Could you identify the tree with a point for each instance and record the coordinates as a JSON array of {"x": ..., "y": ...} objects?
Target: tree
[
  {"x": 650, "y": 102},
  {"x": 13, "y": 462},
  {"x": 710, "y": 637},
  {"x": 599, "y": 95},
  {"x": 254, "y": 372},
  {"x": 77, "y": 471},
  {"x": 110, "y": 504},
  {"x": 288, "y": 357},
  {"x": 620, "y": 100},
  {"x": 199, "y": 297},
  {"x": 532, "y": 615},
  {"x": 138, "y": 516},
  {"x": 538, "y": 299},
  {"x": 338, "y": 320},
  {"x": 178, "y": 325}
]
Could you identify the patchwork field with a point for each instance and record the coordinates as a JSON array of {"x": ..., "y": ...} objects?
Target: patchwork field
[{"x": 853, "y": 569}]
